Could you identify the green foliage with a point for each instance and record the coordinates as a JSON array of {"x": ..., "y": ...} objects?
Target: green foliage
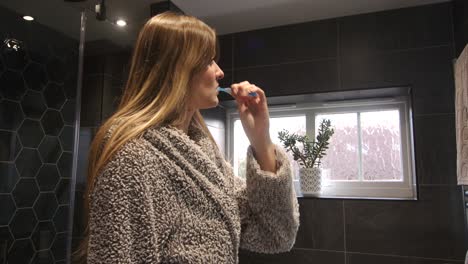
[{"x": 308, "y": 152}]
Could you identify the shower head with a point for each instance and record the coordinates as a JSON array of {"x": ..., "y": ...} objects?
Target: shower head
[{"x": 11, "y": 44}]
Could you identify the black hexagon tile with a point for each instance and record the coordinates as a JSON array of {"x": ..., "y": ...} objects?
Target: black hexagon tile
[
  {"x": 8, "y": 177},
  {"x": 67, "y": 138},
  {"x": 8, "y": 208},
  {"x": 31, "y": 133},
  {"x": 56, "y": 70},
  {"x": 15, "y": 59},
  {"x": 23, "y": 223},
  {"x": 35, "y": 76},
  {"x": 50, "y": 149},
  {"x": 13, "y": 86},
  {"x": 70, "y": 86},
  {"x": 62, "y": 192},
  {"x": 43, "y": 257},
  {"x": 6, "y": 237},
  {"x": 9, "y": 146},
  {"x": 59, "y": 247},
  {"x": 11, "y": 115},
  {"x": 28, "y": 163},
  {"x": 61, "y": 218},
  {"x": 54, "y": 96},
  {"x": 65, "y": 164},
  {"x": 45, "y": 206},
  {"x": 33, "y": 104},
  {"x": 43, "y": 235},
  {"x": 21, "y": 251},
  {"x": 52, "y": 122},
  {"x": 48, "y": 177},
  {"x": 2, "y": 67},
  {"x": 68, "y": 112},
  {"x": 25, "y": 193}
]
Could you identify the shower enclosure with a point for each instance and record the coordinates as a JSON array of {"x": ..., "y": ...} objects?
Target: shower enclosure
[{"x": 39, "y": 98}]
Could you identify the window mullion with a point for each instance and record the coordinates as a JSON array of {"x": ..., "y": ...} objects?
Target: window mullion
[{"x": 361, "y": 178}]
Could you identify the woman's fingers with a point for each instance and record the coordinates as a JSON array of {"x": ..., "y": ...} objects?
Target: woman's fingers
[{"x": 243, "y": 89}]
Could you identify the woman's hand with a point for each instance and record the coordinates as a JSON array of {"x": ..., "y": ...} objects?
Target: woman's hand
[
  {"x": 253, "y": 111},
  {"x": 255, "y": 119}
]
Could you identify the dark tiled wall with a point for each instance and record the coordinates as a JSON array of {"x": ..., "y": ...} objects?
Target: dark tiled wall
[
  {"x": 37, "y": 115},
  {"x": 407, "y": 47},
  {"x": 460, "y": 17}
]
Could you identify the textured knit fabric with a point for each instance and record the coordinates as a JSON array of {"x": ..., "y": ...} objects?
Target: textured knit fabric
[{"x": 170, "y": 197}]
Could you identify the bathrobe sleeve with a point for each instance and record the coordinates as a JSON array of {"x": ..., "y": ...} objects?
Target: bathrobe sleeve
[
  {"x": 127, "y": 224},
  {"x": 268, "y": 206}
]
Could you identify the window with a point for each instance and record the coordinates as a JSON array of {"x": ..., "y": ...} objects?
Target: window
[{"x": 370, "y": 154}]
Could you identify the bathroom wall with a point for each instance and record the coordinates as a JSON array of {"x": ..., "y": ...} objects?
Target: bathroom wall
[
  {"x": 37, "y": 122},
  {"x": 460, "y": 16},
  {"x": 407, "y": 47}
]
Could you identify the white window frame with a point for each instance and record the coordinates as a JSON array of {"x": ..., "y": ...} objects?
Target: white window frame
[{"x": 405, "y": 190}]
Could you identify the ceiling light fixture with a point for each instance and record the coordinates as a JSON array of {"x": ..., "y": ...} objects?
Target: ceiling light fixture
[
  {"x": 28, "y": 18},
  {"x": 121, "y": 23}
]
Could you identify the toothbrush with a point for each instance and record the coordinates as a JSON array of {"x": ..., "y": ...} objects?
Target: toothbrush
[{"x": 228, "y": 90}]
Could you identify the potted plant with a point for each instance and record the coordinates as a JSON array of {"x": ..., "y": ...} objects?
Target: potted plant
[{"x": 308, "y": 154}]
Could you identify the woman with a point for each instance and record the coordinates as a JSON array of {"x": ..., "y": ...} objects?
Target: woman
[{"x": 160, "y": 191}]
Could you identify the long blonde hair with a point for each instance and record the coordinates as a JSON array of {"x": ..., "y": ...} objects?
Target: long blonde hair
[{"x": 170, "y": 49}]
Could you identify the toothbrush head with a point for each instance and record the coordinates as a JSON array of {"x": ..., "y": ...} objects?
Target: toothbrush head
[{"x": 228, "y": 90}]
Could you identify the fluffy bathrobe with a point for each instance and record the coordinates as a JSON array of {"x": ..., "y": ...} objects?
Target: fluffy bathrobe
[{"x": 170, "y": 197}]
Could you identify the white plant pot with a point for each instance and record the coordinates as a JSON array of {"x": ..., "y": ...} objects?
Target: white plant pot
[{"x": 310, "y": 180}]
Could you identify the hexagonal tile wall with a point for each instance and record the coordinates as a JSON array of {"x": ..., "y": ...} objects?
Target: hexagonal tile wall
[
  {"x": 44, "y": 256},
  {"x": 68, "y": 112},
  {"x": 2, "y": 67},
  {"x": 6, "y": 236},
  {"x": 48, "y": 177},
  {"x": 31, "y": 133},
  {"x": 11, "y": 115},
  {"x": 28, "y": 163},
  {"x": 13, "y": 86},
  {"x": 70, "y": 87},
  {"x": 54, "y": 95},
  {"x": 52, "y": 122},
  {"x": 45, "y": 206},
  {"x": 15, "y": 60},
  {"x": 21, "y": 251},
  {"x": 61, "y": 218},
  {"x": 35, "y": 76},
  {"x": 62, "y": 192},
  {"x": 8, "y": 208},
  {"x": 43, "y": 235},
  {"x": 56, "y": 70},
  {"x": 50, "y": 149},
  {"x": 10, "y": 146},
  {"x": 65, "y": 164},
  {"x": 67, "y": 138},
  {"x": 23, "y": 223},
  {"x": 33, "y": 104},
  {"x": 59, "y": 246},
  {"x": 9, "y": 177},
  {"x": 37, "y": 91},
  {"x": 25, "y": 192}
]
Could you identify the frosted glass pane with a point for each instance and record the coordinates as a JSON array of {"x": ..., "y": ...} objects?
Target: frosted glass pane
[
  {"x": 381, "y": 146},
  {"x": 342, "y": 158},
  {"x": 294, "y": 124}
]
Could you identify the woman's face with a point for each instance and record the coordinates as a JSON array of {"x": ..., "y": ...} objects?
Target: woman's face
[{"x": 204, "y": 87}]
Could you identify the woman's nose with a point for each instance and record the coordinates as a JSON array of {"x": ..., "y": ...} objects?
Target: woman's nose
[{"x": 219, "y": 72}]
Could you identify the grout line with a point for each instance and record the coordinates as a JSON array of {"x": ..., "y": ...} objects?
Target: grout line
[
  {"x": 401, "y": 256},
  {"x": 344, "y": 232},
  {"x": 434, "y": 114},
  {"x": 285, "y": 63},
  {"x": 338, "y": 55}
]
